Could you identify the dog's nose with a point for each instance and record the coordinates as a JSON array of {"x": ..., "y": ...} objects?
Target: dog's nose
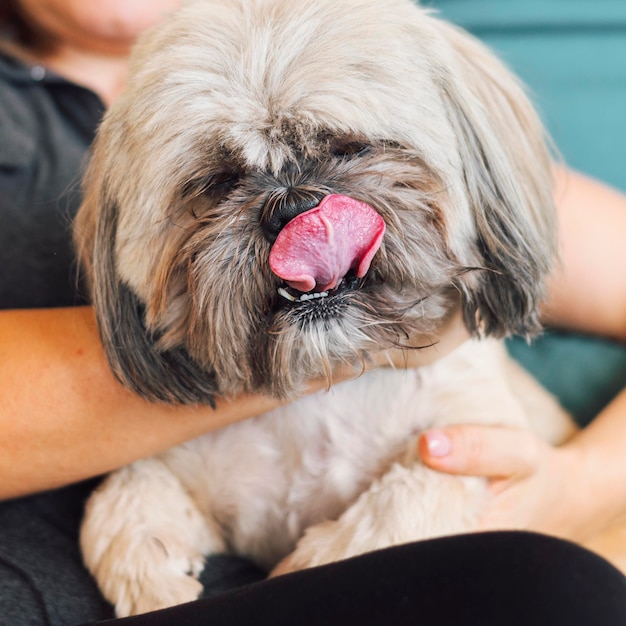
[{"x": 285, "y": 204}]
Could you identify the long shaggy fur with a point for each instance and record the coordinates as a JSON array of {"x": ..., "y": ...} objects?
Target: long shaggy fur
[
  {"x": 260, "y": 98},
  {"x": 239, "y": 115}
]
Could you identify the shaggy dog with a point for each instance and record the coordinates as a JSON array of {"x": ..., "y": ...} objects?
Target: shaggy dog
[{"x": 287, "y": 187}]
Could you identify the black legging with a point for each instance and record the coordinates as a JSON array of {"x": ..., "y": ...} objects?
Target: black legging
[{"x": 486, "y": 579}]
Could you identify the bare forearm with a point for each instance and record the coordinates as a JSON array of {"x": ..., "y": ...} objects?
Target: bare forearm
[
  {"x": 588, "y": 293},
  {"x": 602, "y": 448},
  {"x": 64, "y": 417},
  {"x": 588, "y": 289}
]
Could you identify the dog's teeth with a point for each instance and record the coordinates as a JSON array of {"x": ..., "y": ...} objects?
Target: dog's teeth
[
  {"x": 285, "y": 294},
  {"x": 303, "y": 298},
  {"x": 312, "y": 296}
]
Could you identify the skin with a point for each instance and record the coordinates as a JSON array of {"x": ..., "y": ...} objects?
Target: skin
[
  {"x": 73, "y": 420},
  {"x": 88, "y": 41}
]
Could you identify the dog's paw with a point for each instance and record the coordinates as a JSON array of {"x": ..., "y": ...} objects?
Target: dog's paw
[
  {"x": 138, "y": 576},
  {"x": 144, "y": 539},
  {"x": 321, "y": 544},
  {"x": 409, "y": 503}
]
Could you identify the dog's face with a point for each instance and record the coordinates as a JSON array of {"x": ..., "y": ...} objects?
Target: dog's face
[{"x": 287, "y": 185}]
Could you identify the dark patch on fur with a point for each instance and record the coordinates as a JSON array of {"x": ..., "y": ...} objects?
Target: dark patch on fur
[{"x": 168, "y": 376}]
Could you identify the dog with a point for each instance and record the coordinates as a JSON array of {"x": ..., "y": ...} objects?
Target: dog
[{"x": 286, "y": 188}]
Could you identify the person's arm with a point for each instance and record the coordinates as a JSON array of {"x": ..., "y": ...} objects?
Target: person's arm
[
  {"x": 579, "y": 489},
  {"x": 588, "y": 289},
  {"x": 63, "y": 416}
]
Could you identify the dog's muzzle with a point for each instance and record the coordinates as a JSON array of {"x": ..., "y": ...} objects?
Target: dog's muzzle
[{"x": 316, "y": 250}]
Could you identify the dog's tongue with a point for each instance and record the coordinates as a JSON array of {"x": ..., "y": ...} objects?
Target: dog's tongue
[{"x": 316, "y": 249}]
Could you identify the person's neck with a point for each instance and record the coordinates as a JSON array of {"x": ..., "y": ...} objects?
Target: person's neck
[{"x": 103, "y": 73}]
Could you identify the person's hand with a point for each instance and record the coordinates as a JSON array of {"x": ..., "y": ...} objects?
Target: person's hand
[{"x": 535, "y": 486}]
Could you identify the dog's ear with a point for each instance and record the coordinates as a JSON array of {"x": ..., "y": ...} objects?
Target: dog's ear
[
  {"x": 508, "y": 183},
  {"x": 132, "y": 351}
]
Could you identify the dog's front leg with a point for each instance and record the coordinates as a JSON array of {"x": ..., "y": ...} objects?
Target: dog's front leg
[
  {"x": 144, "y": 539},
  {"x": 409, "y": 503}
]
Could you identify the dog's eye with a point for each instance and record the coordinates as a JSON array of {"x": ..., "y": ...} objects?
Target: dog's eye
[
  {"x": 350, "y": 149},
  {"x": 215, "y": 185},
  {"x": 221, "y": 183}
]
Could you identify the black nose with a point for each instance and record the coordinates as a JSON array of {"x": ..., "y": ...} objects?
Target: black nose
[{"x": 285, "y": 204}]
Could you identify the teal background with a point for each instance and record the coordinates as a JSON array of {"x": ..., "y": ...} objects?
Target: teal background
[{"x": 572, "y": 56}]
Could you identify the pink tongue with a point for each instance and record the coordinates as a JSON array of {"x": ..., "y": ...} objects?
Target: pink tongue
[{"x": 316, "y": 249}]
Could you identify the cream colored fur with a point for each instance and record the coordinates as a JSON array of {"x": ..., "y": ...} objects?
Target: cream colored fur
[{"x": 326, "y": 478}]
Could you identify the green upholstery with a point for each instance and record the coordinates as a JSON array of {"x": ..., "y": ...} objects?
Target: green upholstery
[{"x": 572, "y": 56}]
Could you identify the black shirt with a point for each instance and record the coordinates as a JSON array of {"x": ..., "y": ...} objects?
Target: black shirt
[{"x": 46, "y": 127}]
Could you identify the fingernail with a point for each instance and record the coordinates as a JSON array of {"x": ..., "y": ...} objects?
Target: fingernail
[{"x": 437, "y": 443}]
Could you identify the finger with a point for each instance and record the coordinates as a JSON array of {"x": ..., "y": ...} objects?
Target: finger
[{"x": 491, "y": 451}]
